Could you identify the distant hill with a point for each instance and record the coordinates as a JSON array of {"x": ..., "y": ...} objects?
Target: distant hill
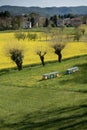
[{"x": 47, "y": 11}]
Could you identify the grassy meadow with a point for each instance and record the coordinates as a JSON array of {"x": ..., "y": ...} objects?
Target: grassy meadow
[{"x": 29, "y": 103}]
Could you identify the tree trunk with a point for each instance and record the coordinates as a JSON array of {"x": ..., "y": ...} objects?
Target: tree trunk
[
  {"x": 42, "y": 60},
  {"x": 19, "y": 65},
  {"x": 58, "y": 52},
  {"x": 59, "y": 57}
]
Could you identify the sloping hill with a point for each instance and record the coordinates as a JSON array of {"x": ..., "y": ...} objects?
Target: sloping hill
[
  {"x": 47, "y": 11},
  {"x": 28, "y": 102}
]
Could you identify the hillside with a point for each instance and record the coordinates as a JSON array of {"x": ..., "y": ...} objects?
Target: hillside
[
  {"x": 29, "y": 103},
  {"x": 47, "y": 11}
]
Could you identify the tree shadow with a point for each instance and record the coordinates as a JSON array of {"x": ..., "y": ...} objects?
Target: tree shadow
[
  {"x": 67, "y": 118},
  {"x": 77, "y": 77},
  {"x": 4, "y": 71}
]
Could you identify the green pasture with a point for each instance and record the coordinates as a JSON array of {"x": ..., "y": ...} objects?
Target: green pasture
[{"x": 29, "y": 103}]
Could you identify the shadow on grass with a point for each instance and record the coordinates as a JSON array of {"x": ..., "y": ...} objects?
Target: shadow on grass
[
  {"x": 30, "y": 66},
  {"x": 7, "y": 70},
  {"x": 4, "y": 71},
  {"x": 68, "y": 118},
  {"x": 79, "y": 77}
]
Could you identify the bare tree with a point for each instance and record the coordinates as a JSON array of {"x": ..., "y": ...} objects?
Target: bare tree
[
  {"x": 20, "y": 35},
  {"x": 32, "y": 36},
  {"x": 77, "y": 35},
  {"x": 41, "y": 55},
  {"x": 16, "y": 54},
  {"x": 83, "y": 31},
  {"x": 58, "y": 44},
  {"x": 58, "y": 47}
]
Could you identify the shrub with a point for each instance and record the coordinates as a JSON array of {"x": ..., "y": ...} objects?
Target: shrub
[
  {"x": 20, "y": 35},
  {"x": 32, "y": 36}
]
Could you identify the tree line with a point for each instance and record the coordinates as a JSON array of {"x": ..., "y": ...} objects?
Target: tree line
[
  {"x": 5, "y": 14},
  {"x": 7, "y": 21}
]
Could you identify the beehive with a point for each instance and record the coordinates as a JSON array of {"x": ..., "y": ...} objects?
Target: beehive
[
  {"x": 72, "y": 70},
  {"x": 51, "y": 75}
]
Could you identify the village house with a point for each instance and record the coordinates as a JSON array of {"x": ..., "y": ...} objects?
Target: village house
[
  {"x": 60, "y": 22},
  {"x": 67, "y": 21},
  {"x": 76, "y": 21},
  {"x": 26, "y": 23},
  {"x": 73, "y": 22}
]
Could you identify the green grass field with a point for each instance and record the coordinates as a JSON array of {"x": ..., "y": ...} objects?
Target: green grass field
[{"x": 29, "y": 103}]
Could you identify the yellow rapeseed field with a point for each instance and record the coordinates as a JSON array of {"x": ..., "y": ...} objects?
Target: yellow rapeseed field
[{"x": 30, "y": 47}]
